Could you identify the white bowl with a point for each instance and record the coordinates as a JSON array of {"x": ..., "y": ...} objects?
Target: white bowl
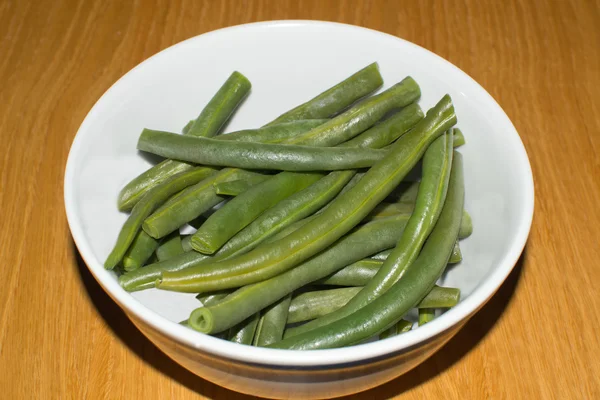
[{"x": 289, "y": 62}]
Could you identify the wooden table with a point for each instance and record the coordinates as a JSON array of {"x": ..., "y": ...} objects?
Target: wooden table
[{"x": 62, "y": 337}]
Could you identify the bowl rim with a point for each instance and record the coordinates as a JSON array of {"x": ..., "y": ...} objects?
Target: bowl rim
[{"x": 313, "y": 358}]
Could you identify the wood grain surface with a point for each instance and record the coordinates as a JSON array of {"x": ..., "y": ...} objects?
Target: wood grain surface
[{"x": 62, "y": 337}]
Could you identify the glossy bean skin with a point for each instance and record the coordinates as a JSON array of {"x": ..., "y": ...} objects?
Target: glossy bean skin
[
  {"x": 209, "y": 122},
  {"x": 147, "y": 204},
  {"x": 362, "y": 242},
  {"x": 208, "y": 299},
  {"x": 459, "y": 138},
  {"x": 437, "y": 163},
  {"x": 243, "y": 333},
  {"x": 338, "y": 97},
  {"x": 456, "y": 256},
  {"x": 361, "y": 116},
  {"x": 466, "y": 226},
  {"x": 192, "y": 202},
  {"x": 231, "y": 188},
  {"x": 440, "y": 297},
  {"x": 245, "y": 208},
  {"x": 314, "y": 304},
  {"x": 140, "y": 251},
  {"x": 274, "y": 133},
  {"x": 426, "y": 315},
  {"x": 249, "y": 155},
  {"x": 401, "y": 326},
  {"x": 418, "y": 280},
  {"x": 272, "y": 323},
  {"x": 341, "y": 216},
  {"x": 169, "y": 247}
]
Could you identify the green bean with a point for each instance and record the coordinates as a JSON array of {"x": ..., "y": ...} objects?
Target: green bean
[
  {"x": 242, "y": 210},
  {"x": 187, "y": 127},
  {"x": 426, "y": 315},
  {"x": 185, "y": 243},
  {"x": 406, "y": 192},
  {"x": 361, "y": 116},
  {"x": 255, "y": 155},
  {"x": 338, "y": 97},
  {"x": 272, "y": 323},
  {"x": 362, "y": 242},
  {"x": 152, "y": 199},
  {"x": 437, "y": 163},
  {"x": 314, "y": 304},
  {"x": 274, "y": 133},
  {"x": 209, "y": 122},
  {"x": 407, "y": 292},
  {"x": 459, "y": 138},
  {"x": 169, "y": 247},
  {"x": 466, "y": 226},
  {"x": 191, "y": 203},
  {"x": 384, "y": 210},
  {"x": 243, "y": 333},
  {"x": 456, "y": 256},
  {"x": 401, "y": 326},
  {"x": 140, "y": 251},
  {"x": 232, "y": 188},
  {"x": 440, "y": 297},
  {"x": 342, "y": 215},
  {"x": 208, "y": 299},
  {"x": 355, "y": 274}
]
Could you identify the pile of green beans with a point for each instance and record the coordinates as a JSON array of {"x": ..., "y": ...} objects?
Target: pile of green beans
[{"x": 307, "y": 234}]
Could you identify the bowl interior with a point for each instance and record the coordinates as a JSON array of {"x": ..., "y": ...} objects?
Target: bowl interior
[{"x": 287, "y": 64}]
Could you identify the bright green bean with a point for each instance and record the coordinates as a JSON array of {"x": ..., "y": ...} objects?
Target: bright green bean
[
  {"x": 342, "y": 215},
  {"x": 418, "y": 280},
  {"x": 401, "y": 326},
  {"x": 185, "y": 243},
  {"x": 140, "y": 251},
  {"x": 338, "y": 97},
  {"x": 362, "y": 242},
  {"x": 426, "y": 315},
  {"x": 191, "y": 203},
  {"x": 209, "y": 122},
  {"x": 245, "y": 208},
  {"x": 243, "y": 333},
  {"x": 315, "y": 304},
  {"x": 169, "y": 247},
  {"x": 437, "y": 163},
  {"x": 208, "y": 299},
  {"x": 274, "y": 133},
  {"x": 272, "y": 323},
  {"x": 232, "y": 188},
  {"x": 355, "y": 274},
  {"x": 152, "y": 199}
]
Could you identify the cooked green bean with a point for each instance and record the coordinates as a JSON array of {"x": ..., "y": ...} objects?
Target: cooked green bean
[
  {"x": 274, "y": 133},
  {"x": 191, "y": 203},
  {"x": 242, "y": 210},
  {"x": 362, "y": 242},
  {"x": 361, "y": 116},
  {"x": 437, "y": 163},
  {"x": 185, "y": 243},
  {"x": 169, "y": 247},
  {"x": 140, "y": 251},
  {"x": 232, "y": 188},
  {"x": 459, "y": 138},
  {"x": 407, "y": 292},
  {"x": 456, "y": 256},
  {"x": 272, "y": 323},
  {"x": 208, "y": 299},
  {"x": 243, "y": 333},
  {"x": 406, "y": 192},
  {"x": 187, "y": 127},
  {"x": 466, "y": 226},
  {"x": 338, "y": 97},
  {"x": 209, "y": 122},
  {"x": 342, "y": 215},
  {"x": 152, "y": 199},
  {"x": 317, "y": 303},
  {"x": 384, "y": 210},
  {"x": 401, "y": 326},
  {"x": 355, "y": 274},
  {"x": 440, "y": 297},
  {"x": 426, "y": 315},
  {"x": 249, "y": 155}
]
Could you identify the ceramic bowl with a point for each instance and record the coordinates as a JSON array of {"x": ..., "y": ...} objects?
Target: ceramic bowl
[{"x": 289, "y": 62}]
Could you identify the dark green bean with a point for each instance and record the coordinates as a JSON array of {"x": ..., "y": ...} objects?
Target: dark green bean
[
  {"x": 440, "y": 297},
  {"x": 362, "y": 242},
  {"x": 356, "y": 274},
  {"x": 342, "y": 215},
  {"x": 242, "y": 210},
  {"x": 243, "y": 333},
  {"x": 255, "y": 155},
  {"x": 361, "y": 116},
  {"x": 338, "y": 97},
  {"x": 272, "y": 323},
  {"x": 437, "y": 163},
  {"x": 232, "y": 188},
  {"x": 209, "y": 122},
  {"x": 191, "y": 203},
  {"x": 401, "y": 326},
  {"x": 169, "y": 247},
  {"x": 274, "y": 133},
  {"x": 315, "y": 304},
  {"x": 418, "y": 280},
  {"x": 466, "y": 226},
  {"x": 426, "y": 315},
  {"x": 140, "y": 251},
  {"x": 152, "y": 199}
]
